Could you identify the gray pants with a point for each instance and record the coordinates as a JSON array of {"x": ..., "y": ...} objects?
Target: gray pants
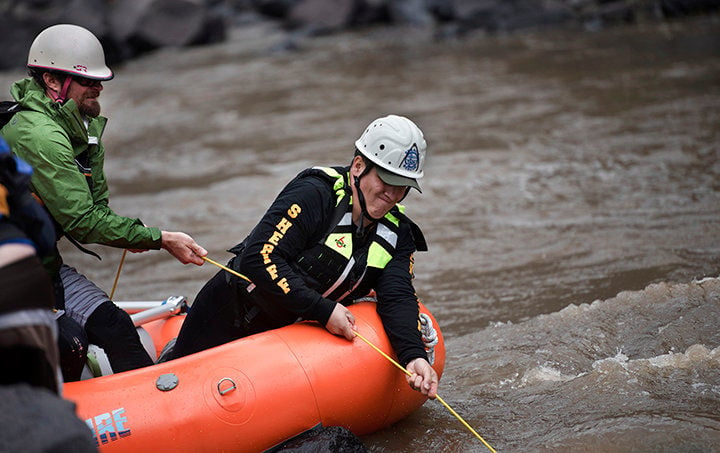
[
  {"x": 82, "y": 296},
  {"x": 106, "y": 324}
]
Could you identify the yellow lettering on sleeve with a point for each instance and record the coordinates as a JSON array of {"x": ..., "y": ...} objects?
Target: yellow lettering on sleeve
[
  {"x": 266, "y": 251},
  {"x": 294, "y": 210},
  {"x": 272, "y": 271},
  {"x": 283, "y": 225},
  {"x": 275, "y": 238},
  {"x": 284, "y": 285}
]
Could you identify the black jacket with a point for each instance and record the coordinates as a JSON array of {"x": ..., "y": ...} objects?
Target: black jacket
[{"x": 296, "y": 221}]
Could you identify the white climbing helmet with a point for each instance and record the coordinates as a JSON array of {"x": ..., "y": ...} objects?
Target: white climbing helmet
[
  {"x": 70, "y": 49},
  {"x": 397, "y": 147}
]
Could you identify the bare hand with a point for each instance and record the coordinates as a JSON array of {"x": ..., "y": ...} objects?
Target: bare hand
[
  {"x": 183, "y": 247},
  {"x": 341, "y": 322},
  {"x": 423, "y": 377}
]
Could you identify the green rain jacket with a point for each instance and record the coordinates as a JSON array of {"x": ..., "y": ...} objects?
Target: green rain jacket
[{"x": 50, "y": 136}]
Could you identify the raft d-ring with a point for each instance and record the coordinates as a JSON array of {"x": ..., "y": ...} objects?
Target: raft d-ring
[{"x": 232, "y": 387}]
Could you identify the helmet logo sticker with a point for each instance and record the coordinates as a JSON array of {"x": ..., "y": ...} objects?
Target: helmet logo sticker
[
  {"x": 411, "y": 161},
  {"x": 80, "y": 67}
]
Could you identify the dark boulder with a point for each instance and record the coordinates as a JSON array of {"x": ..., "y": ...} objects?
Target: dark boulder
[
  {"x": 325, "y": 439},
  {"x": 143, "y": 25},
  {"x": 509, "y": 15},
  {"x": 278, "y": 9},
  {"x": 321, "y": 15},
  {"x": 411, "y": 12},
  {"x": 678, "y": 8},
  {"x": 22, "y": 20}
]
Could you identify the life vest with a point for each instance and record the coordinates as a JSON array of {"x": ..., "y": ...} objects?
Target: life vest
[{"x": 339, "y": 263}]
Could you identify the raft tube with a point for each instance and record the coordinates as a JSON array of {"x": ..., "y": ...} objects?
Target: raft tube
[{"x": 253, "y": 393}]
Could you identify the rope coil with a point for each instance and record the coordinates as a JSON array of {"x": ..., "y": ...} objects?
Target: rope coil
[{"x": 429, "y": 336}]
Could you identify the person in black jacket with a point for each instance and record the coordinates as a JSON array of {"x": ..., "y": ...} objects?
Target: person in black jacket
[
  {"x": 30, "y": 377},
  {"x": 28, "y": 332},
  {"x": 331, "y": 236}
]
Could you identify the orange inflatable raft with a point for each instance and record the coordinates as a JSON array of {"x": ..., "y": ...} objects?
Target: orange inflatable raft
[{"x": 253, "y": 393}]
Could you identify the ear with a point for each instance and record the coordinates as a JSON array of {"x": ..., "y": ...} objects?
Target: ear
[
  {"x": 357, "y": 167},
  {"x": 52, "y": 82}
]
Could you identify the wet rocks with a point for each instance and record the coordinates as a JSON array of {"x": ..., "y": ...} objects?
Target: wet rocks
[
  {"x": 158, "y": 23},
  {"x": 320, "y": 16},
  {"x": 128, "y": 29}
]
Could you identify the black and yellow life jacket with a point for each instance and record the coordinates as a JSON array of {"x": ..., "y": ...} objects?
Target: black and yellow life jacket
[{"x": 339, "y": 263}]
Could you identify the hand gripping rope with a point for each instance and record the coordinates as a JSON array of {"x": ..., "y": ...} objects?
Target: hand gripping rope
[
  {"x": 429, "y": 338},
  {"x": 357, "y": 334}
]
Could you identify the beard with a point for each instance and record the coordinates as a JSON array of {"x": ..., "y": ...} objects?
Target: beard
[{"x": 90, "y": 108}]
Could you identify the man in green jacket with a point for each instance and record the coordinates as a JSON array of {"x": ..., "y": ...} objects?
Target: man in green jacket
[{"x": 59, "y": 131}]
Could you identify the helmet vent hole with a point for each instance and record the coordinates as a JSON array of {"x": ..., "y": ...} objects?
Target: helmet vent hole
[{"x": 382, "y": 147}]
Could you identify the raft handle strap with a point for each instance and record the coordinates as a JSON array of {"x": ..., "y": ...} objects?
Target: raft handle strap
[{"x": 232, "y": 387}]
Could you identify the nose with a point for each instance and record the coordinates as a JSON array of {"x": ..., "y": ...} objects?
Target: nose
[{"x": 395, "y": 192}]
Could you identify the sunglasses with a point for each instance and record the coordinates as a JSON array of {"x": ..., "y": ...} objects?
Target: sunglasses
[{"x": 87, "y": 82}]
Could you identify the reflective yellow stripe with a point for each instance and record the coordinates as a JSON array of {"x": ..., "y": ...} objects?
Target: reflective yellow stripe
[
  {"x": 341, "y": 243},
  {"x": 377, "y": 256},
  {"x": 339, "y": 184},
  {"x": 394, "y": 220}
]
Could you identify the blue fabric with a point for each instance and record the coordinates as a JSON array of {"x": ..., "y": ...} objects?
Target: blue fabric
[{"x": 26, "y": 214}]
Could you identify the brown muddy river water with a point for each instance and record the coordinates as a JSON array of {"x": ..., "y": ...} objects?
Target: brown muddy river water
[{"x": 571, "y": 204}]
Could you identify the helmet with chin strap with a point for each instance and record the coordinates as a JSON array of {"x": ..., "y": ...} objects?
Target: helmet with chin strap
[
  {"x": 397, "y": 148},
  {"x": 68, "y": 49}
]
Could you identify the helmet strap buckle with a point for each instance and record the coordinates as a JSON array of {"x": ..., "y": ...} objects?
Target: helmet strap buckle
[{"x": 61, "y": 95}]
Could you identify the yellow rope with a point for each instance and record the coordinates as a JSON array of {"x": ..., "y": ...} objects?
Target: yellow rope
[
  {"x": 117, "y": 275},
  {"x": 437, "y": 396},
  {"x": 237, "y": 274}
]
